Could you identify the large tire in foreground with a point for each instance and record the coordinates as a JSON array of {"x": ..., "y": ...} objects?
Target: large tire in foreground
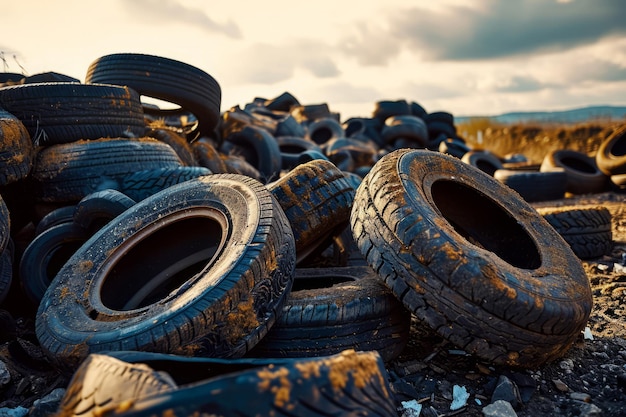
[
  {"x": 149, "y": 384},
  {"x": 201, "y": 267},
  {"x": 471, "y": 258}
]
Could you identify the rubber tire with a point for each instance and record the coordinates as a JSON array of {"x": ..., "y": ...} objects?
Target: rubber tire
[
  {"x": 470, "y": 258},
  {"x": 534, "y": 186},
  {"x": 177, "y": 141},
  {"x": 324, "y": 130},
  {"x": 317, "y": 199},
  {"x": 259, "y": 148},
  {"x": 202, "y": 267},
  {"x": 60, "y": 215},
  {"x": 408, "y": 127},
  {"x": 6, "y": 274},
  {"x": 63, "y": 112},
  {"x": 66, "y": 173},
  {"x": 611, "y": 155},
  {"x": 292, "y": 147},
  {"x": 165, "y": 79},
  {"x": 148, "y": 384},
  {"x": 486, "y": 161},
  {"x": 45, "y": 255},
  {"x": 142, "y": 184},
  {"x": 97, "y": 209},
  {"x": 333, "y": 309},
  {"x": 587, "y": 230},
  {"x": 583, "y": 175},
  {"x": 17, "y": 151},
  {"x": 208, "y": 157}
]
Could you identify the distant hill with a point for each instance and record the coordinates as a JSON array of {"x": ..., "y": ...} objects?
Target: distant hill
[{"x": 584, "y": 114}]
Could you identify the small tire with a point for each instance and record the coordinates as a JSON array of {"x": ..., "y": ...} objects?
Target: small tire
[
  {"x": 611, "y": 155},
  {"x": 534, "y": 186},
  {"x": 583, "y": 175}
]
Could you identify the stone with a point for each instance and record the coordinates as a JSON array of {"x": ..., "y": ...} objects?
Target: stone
[
  {"x": 499, "y": 408},
  {"x": 459, "y": 397},
  {"x": 506, "y": 390}
]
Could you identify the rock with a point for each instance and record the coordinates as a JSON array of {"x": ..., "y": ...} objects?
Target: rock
[
  {"x": 14, "y": 412},
  {"x": 506, "y": 390},
  {"x": 47, "y": 405},
  {"x": 590, "y": 410},
  {"x": 459, "y": 397},
  {"x": 560, "y": 385},
  {"x": 580, "y": 396},
  {"x": 411, "y": 408},
  {"x": 567, "y": 365},
  {"x": 499, "y": 408}
]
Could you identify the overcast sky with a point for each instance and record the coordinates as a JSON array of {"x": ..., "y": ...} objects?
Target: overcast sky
[{"x": 467, "y": 57}]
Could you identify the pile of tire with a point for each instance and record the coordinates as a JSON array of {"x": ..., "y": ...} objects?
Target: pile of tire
[{"x": 271, "y": 231}]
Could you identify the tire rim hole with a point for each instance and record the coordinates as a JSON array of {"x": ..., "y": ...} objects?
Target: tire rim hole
[
  {"x": 318, "y": 282},
  {"x": 578, "y": 165},
  {"x": 485, "y": 224},
  {"x": 162, "y": 263}
]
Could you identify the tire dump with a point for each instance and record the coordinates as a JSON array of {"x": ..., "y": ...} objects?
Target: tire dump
[{"x": 275, "y": 259}]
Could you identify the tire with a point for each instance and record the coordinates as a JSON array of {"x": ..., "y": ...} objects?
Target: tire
[
  {"x": 486, "y": 161},
  {"x": 470, "y": 258},
  {"x": 62, "y": 112},
  {"x": 292, "y": 147},
  {"x": 66, "y": 173},
  {"x": 200, "y": 268},
  {"x": 142, "y": 184},
  {"x": 408, "y": 127},
  {"x": 534, "y": 186},
  {"x": 208, "y": 157},
  {"x": 260, "y": 149},
  {"x": 587, "y": 230},
  {"x": 46, "y": 254},
  {"x": 97, "y": 209},
  {"x": 317, "y": 199},
  {"x": 454, "y": 147},
  {"x": 178, "y": 142},
  {"x": 166, "y": 79},
  {"x": 17, "y": 151},
  {"x": 611, "y": 155},
  {"x": 387, "y": 108},
  {"x": 60, "y": 215},
  {"x": 583, "y": 175},
  {"x": 6, "y": 274},
  {"x": 149, "y": 384},
  {"x": 324, "y": 130},
  {"x": 333, "y": 309}
]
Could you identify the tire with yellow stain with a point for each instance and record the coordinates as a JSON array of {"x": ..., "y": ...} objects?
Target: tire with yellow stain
[
  {"x": 350, "y": 383},
  {"x": 470, "y": 258},
  {"x": 202, "y": 267}
]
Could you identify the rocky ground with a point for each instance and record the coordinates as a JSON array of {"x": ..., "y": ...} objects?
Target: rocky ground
[{"x": 431, "y": 374}]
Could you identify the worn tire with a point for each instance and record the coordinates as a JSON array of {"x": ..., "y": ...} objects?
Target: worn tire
[
  {"x": 142, "y": 184},
  {"x": 149, "y": 384},
  {"x": 16, "y": 149},
  {"x": 611, "y": 155},
  {"x": 333, "y": 309},
  {"x": 166, "y": 79},
  {"x": 317, "y": 199},
  {"x": 202, "y": 267},
  {"x": 583, "y": 175},
  {"x": 97, "y": 209},
  {"x": 587, "y": 230},
  {"x": 471, "y": 258},
  {"x": 534, "y": 186},
  {"x": 486, "y": 161},
  {"x": 63, "y": 112},
  {"x": 65, "y": 173}
]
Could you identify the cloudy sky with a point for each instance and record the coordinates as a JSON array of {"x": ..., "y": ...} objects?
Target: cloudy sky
[{"x": 467, "y": 57}]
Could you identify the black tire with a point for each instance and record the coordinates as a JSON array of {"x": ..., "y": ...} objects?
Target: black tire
[
  {"x": 201, "y": 267},
  {"x": 149, "y": 384},
  {"x": 208, "y": 157},
  {"x": 63, "y": 112},
  {"x": 166, "y": 79},
  {"x": 587, "y": 230},
  {"x": 46, "y": 254},
  {"x": 408, "y": 127},
  {"x": 59, "y": 215},
  {"x": 259, "y": 148},
  {"x": 333, "y": 309},
  {"x": 97, "y": 209},
  {"x": 453, "y": 146},
  {"x": 583, "y": 175},
  {"x": 486, "y": 161},
  {"x": 142, "y": 184},
  {"x": 17, "y": 151},
  {"x": 611, "y": 155},
  {"x": 292, "y": 147},
  {"x": 534, "y": 186},
  {"x": 68, "y": 172},
  {"x": 471, "y": 258},
  {"x": 177, "y": 141},
  {"x": 317, "y": 199},
  {"x": 324, "y": 130},
  {"x": 387, "y": 108}
]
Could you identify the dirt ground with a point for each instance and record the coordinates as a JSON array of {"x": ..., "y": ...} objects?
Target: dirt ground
[{"x": 589, "y": 380}]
